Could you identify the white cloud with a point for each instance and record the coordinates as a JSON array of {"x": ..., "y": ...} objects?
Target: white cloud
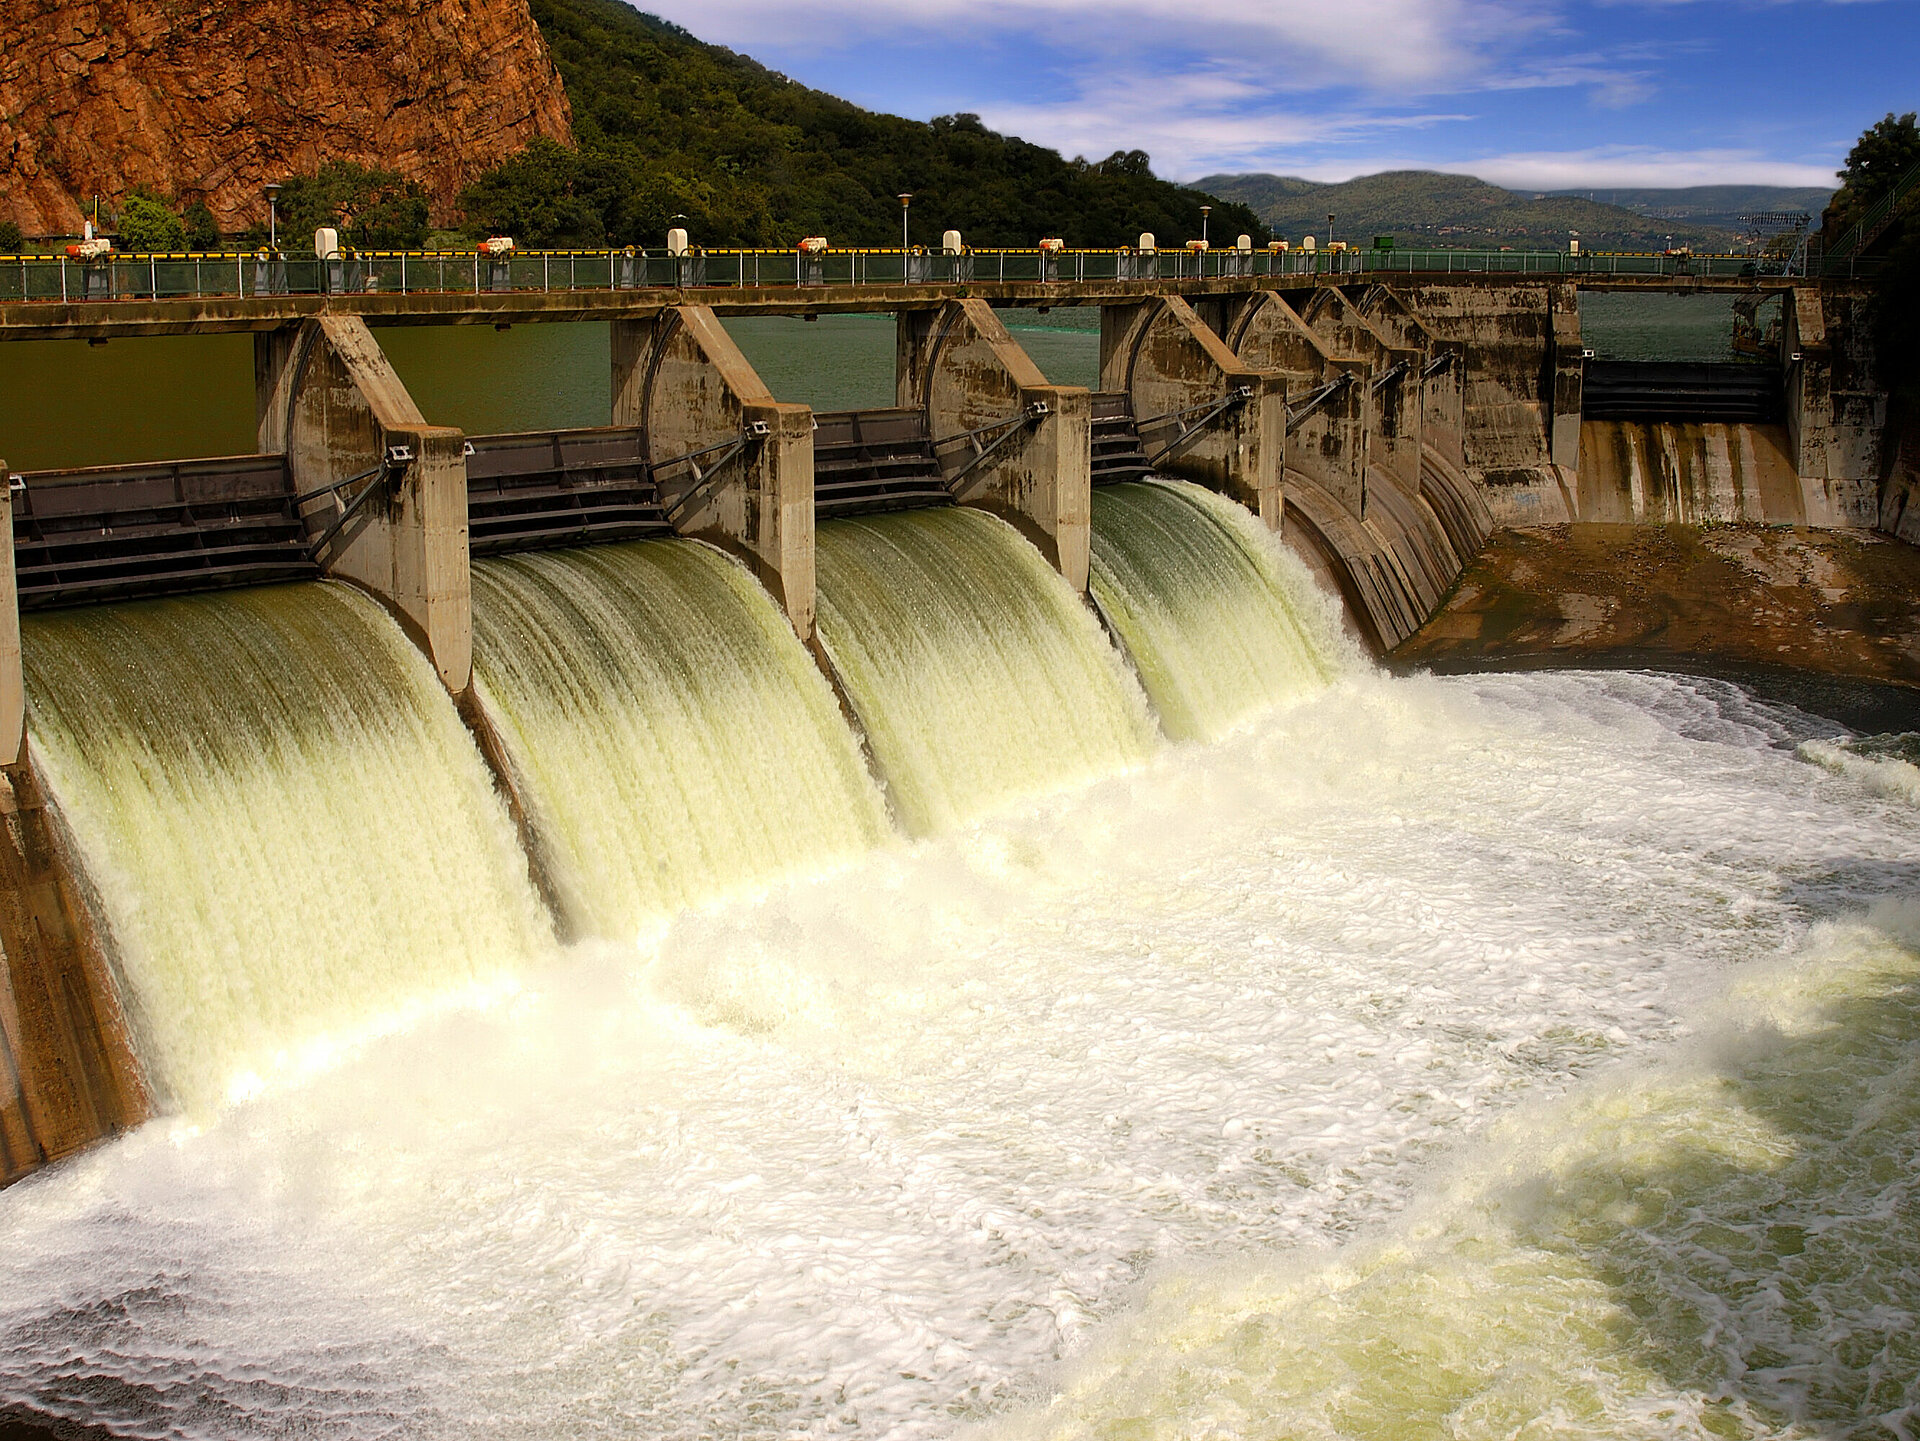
[
  {"x": 1606, "y": 166},
  {"x": 1397, "y": 46},
  {"x": 1192, "y": 124},
  {"x": 1289, "y": 86}
]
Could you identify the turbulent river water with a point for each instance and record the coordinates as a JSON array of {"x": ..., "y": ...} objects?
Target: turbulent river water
[{"x": 1489, "y": 1056}]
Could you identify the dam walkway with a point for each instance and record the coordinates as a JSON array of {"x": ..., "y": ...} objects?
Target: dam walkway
[{"x": 47, "y": 297}]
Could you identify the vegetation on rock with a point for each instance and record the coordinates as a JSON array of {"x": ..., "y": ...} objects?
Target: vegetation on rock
[{"x": 147, "y": 223}]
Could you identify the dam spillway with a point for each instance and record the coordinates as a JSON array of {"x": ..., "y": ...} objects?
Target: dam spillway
[
  {"x": 1173, "y": 1084},
  {"x": 290, "y": 833},
  {"x": 668, "y": 734},
  {"x": 976, "y": 675}
]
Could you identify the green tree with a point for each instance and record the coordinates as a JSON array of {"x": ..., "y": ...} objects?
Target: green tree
[
  {"x": 203, "y": 232},
  {"x": 11, "y": 240},
  {"x": 148, "y": 224},
  {"x": 372, "y": 209},
  {"x": 1885, "y": 151},
  {"x": 535, "y": 197}
]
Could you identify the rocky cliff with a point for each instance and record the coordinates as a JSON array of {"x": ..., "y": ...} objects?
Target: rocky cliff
[{"x": 210, "y": 99}]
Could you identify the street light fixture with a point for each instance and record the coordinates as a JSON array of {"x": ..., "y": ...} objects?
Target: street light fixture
[
  {"x": 273, "y": 217},
  {"x": 1329, "y": 231},
  {"x": 905, "y": 199}
]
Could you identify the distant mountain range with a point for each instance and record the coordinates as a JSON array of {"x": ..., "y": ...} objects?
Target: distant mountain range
[
  {"x": 1719, "y": 205},
  {"x": 1427, "y": 208}
]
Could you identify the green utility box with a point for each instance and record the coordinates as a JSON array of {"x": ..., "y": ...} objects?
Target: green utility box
[{"x": 1383, "y": 242}]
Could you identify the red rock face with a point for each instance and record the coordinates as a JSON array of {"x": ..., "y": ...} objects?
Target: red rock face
[{"x": 211, "y": 99}]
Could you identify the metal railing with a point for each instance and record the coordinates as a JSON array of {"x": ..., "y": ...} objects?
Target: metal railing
[
  {"x": 62, "y": 280},
  {"x": 1843, "y": 255}
]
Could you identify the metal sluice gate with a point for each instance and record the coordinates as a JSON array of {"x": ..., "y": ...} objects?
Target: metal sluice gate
[{"x": 115, "y": 532}]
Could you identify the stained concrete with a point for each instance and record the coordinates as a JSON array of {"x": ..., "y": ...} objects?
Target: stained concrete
[
  {"x": 1693, "y": 473},
  {"x": 960, "y": 367}
]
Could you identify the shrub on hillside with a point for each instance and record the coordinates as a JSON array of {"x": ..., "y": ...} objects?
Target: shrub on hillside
[
  {"x": 11, "y": 240},
  {"x": 203, "y": 232},
  {"x": 372, "y": 209},
  {"x": 148, "y": 224}
]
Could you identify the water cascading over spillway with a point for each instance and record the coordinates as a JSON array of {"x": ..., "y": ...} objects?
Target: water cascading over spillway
[
  {"x": 1200, "y": 602},
  {"x": 291, "y": 835},
  {"x": 669, "y": 736},
  {"x": 976, "y": 672}
]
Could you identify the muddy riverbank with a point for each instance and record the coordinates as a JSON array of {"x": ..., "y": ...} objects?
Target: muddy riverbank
[{"x": 1829, "y": 620}]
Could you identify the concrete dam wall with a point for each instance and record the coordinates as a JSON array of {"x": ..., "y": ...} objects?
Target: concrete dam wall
[{"x": 283, "y": 756}]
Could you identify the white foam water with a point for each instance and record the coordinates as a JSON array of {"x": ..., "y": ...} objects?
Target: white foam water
[
  {"x": 672, "y": 740},
  {"x": 1883, "y": 769},
  {"x": 1368, "y": 1073},
  {"x": 978, "y": 676},
  {"x": 292, "y": 836}
]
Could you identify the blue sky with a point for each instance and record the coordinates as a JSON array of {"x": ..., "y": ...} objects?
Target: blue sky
[{"x": 1529, "y": 93}]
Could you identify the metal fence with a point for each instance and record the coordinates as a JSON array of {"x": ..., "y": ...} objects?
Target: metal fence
[{"x": 59, "y": 279}]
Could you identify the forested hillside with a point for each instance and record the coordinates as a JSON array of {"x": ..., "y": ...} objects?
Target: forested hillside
[
  {"x": 1425, "y": 208},
  {"x": 669, "y": 126}
]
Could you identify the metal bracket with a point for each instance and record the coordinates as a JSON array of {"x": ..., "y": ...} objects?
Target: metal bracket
[
  {"x": 722, "y": 452},
  {"x": 1208, "y": 411},
  {"x": 380, "y": 477},
  {"x": 1388, "y": 376},
  {"x": 1009, "y": 429},
  {"x": 1319, "y": 398},
  {"x": 1443, "y": 361}
]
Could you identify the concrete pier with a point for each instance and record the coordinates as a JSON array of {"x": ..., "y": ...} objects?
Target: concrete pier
[
  {"x": 383, "y": 493},
  {"x": 734, "y": 465},
  {"x": 1007, "y": 440},
  {"x": 1205, "y": 413}
]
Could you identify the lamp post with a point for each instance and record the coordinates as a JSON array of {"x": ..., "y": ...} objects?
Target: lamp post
[
  {"x": 905, "y": 199},
  {"x": 273, "y": 217},
  {"x": 1205, "y": 211},
  {"x": 1329, "y": 232}
]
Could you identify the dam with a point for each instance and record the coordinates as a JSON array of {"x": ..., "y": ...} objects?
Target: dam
[{"x": 734, "y": 919}]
